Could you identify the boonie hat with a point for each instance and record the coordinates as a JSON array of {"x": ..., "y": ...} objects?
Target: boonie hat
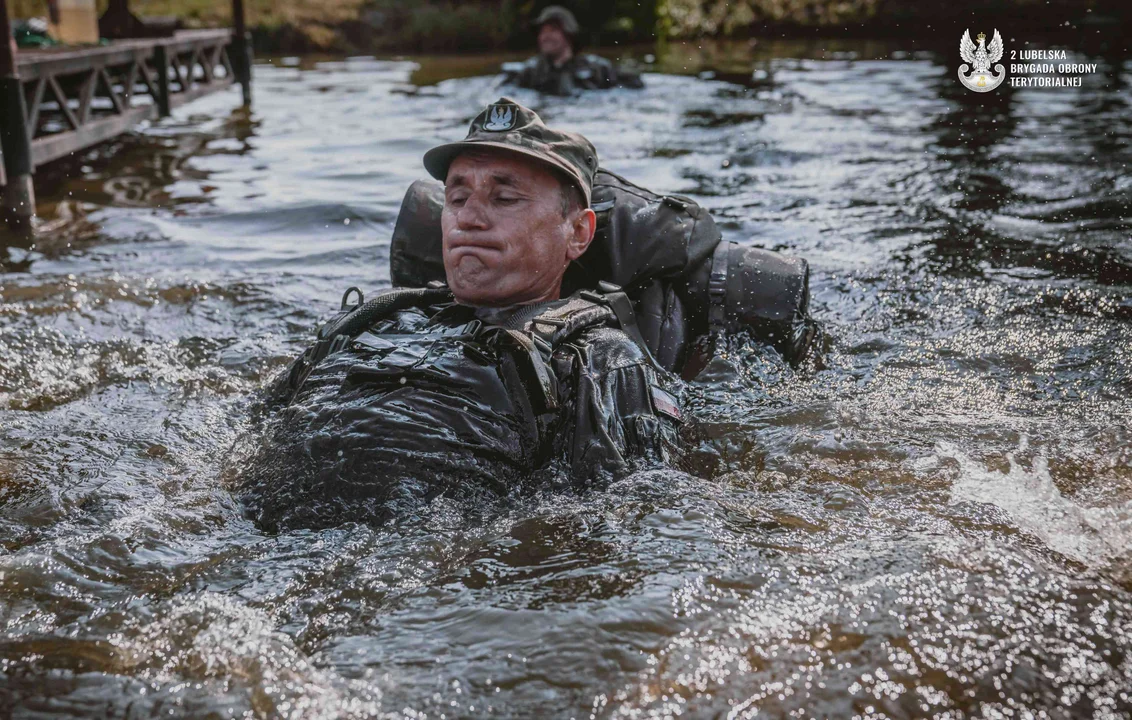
[
  {"x": 507, "y": 125},
  {"x": 560, "y": 15}
]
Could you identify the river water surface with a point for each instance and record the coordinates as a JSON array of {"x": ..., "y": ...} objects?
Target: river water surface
[{"x": 936, "y": 521}]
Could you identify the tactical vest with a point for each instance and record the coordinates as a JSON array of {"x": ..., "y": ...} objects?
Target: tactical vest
[
  {"x": 582, "y": 72},
  {"x": 607, "y": 306}
]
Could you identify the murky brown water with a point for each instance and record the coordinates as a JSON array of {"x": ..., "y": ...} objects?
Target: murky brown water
[{"x": 937, "y": 524}]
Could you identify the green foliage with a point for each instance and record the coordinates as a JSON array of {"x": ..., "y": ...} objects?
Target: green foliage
[
  {"x": 443, "y": 26},
  {"x": 683, "y": 18},
  {"x": 470, "y": 25},
  {"x": 694, "y": 18},
  {"x": 433, "y": 26},
  {"x": 604, "y": 22}
]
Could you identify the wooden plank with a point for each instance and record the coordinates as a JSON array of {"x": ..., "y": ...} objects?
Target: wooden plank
[
  {"x": 175, "y": 64},
  {"x": 148, "y": 79},
  {"x": 74, "y": 63},
  {"x": 118, "y": 106},
  {"x": 209, "y": 62},
  {"x": 52, "y": 147},
  {"x": 65, "y": 60},
  {"x": 131, "y": 81},
  {"x": 186, "y": 38},
  {"x": 36, "y": 103},
  {"x": 196, "y": 60},
  {"x": 179, "y": 99},
  {"x": 227, "y": 61},
  {"x": 62, "y": 100},
  {"x": 86, "y": 94},
  {"x": 188, "y": 63},
  {"x": 183, "y": 41}
]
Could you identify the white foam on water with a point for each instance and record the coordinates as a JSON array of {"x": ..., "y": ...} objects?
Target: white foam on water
[{"x": 1094, "y": 536}]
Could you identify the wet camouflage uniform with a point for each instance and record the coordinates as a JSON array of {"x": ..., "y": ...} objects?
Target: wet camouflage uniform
[
  {"x": 580, "y": 72},
  {"x": 450, "y": 399},
  {"x": 437, "y": 401}
]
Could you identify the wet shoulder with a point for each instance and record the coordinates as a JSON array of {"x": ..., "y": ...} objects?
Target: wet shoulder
[
  {"x": 413, "y": 321},
  {"x": 597, "y": 61},
  {"x": 608, "y": 349}
]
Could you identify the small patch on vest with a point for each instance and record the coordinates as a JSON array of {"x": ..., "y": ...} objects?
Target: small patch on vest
[
  {"x": 665, "y": 404},
  {"x": 500, "y": 118}
]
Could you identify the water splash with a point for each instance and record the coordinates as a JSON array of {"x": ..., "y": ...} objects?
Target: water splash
[{"x": 1093, "y": 536}]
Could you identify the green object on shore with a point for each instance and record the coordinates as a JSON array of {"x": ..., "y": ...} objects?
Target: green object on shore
[{"x": 32, "y": 34}]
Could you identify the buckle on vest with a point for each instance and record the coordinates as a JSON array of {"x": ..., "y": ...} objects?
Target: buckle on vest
[{"x": 346, "y": 298}]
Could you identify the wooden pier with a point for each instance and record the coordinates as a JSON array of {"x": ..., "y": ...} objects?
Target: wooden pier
[{"x": 57, "y": 101}]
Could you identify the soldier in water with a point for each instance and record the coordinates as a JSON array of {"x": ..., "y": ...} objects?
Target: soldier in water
[
  {"x": 558, "y": 69},
  {"x": 474, "y": 386}
]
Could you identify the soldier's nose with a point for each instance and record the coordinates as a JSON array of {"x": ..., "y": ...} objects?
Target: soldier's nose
[{"x": 472, "y": 215}]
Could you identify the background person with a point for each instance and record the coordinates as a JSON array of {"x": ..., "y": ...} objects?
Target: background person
[{"x": 558, "y": 69}]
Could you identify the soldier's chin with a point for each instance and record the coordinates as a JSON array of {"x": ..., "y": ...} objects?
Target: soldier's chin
[
  {"x": 479, "y": 296},
  {"x": 473, "y": 284}
]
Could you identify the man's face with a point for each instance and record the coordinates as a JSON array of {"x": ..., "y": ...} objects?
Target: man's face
[
  {"x": 506, "y": 239},
  {"x": 552, "y": 42}
]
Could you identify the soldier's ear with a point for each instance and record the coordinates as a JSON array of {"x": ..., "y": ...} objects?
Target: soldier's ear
[{"x": 584, "y": 225}]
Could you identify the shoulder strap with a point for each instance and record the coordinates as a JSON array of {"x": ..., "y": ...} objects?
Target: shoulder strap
[
  {"x": 352, "y": 320},
  {"x": 717, "y": 286},
  {"x": 608, "y": 305},
  {"x": 545, "y": 333},
  {"x": 557, "y": 325},
  {"x": 613, "y": 297}
]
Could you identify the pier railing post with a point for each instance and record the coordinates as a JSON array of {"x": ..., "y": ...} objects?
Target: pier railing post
[
  {"x": 161, "y": 67},
  {"x": 241, "y": 51},
  {"x": 17, "y": 203}
]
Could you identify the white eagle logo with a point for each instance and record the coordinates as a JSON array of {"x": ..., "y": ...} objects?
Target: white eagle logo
[
  {"x": 501, "y": 118},
  {"x": 981, "y": 57}
]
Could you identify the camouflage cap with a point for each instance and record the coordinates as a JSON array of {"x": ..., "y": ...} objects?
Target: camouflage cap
[
  {"x": 507, "y": 125},
  {"x": 560, "y": 15}
]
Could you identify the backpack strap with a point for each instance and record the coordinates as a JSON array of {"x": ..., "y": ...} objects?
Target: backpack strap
[
  {"x": 614, "y": 298},
  {"x": 558, "y": 325},
  {"x": 546, "y": 332},
  {"x": 717, "y": 286},
  {"x": 352, "y": 320}
]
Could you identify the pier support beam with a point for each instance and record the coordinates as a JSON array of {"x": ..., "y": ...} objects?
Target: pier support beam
[
  {"x": 161, "y": 66},
  {"x": 17, "y": 202},
  {"x": 241, "y": 51}
]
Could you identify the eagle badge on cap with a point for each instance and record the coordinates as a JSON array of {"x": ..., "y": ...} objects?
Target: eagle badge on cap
[{"x": 500, "y": 118}]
